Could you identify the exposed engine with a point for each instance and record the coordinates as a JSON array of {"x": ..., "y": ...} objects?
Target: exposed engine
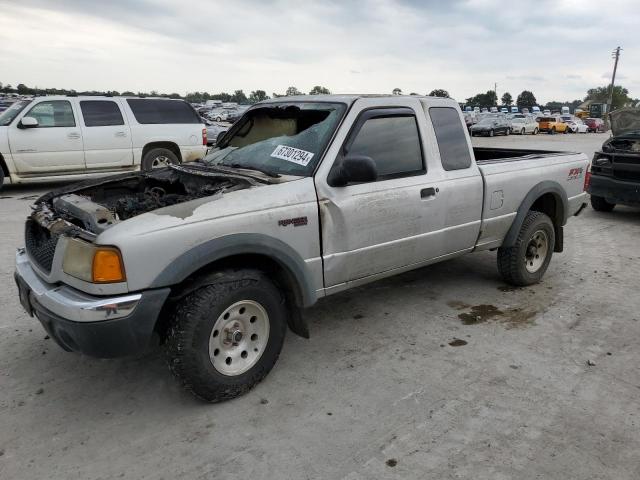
[
  {"x": 96, "y": 205},
  {"x": 622, "y": 144}
]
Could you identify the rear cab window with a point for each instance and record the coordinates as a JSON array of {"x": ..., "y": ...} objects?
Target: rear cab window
[
  {"x": 101, "y": 113},
  {"x": 452, "y": 140},
  {"x": 157, "y": 111}
]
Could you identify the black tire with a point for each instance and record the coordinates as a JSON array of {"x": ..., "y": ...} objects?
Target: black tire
[
  {"x": 552, "y": 131},
  {"x": 158, "y": 158},
  {"x": 600, "y": 204},
  {"x": 511, "y": 260},
  {"x": 522, "y": 132},
  {"x": 491, "y": 133},
  {"x": 1, "y": 177},
  {"x": 218, "y": 119},
  {"x": 508, "y": 132},
  {"x": 191, "y": 328},
  {"x": 535, "y": 131}
]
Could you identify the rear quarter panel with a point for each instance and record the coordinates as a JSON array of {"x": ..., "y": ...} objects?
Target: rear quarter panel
[{"x": 507, "y": 183}]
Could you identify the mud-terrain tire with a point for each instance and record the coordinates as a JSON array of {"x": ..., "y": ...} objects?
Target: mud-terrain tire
[
  {"x": 158, "y": 158},
  {"x": 600, "y": 204},
  {"x": 526, "y": 262},
  {"x": 212, "y": 315}
]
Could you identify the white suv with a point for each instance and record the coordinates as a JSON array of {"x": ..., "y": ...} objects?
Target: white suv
[{"x": 60, "y": 137}]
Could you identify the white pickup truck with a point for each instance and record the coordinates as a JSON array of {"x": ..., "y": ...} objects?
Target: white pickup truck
[
  {"x": 302, "y": 198},
  {"x": 61, "y": 138}
]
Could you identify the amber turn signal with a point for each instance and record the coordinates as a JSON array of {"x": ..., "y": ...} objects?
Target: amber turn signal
[{"x": 107, "y": 266}]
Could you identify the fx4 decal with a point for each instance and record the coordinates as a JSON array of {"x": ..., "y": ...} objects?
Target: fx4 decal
[{"x": 575, "y": 173}]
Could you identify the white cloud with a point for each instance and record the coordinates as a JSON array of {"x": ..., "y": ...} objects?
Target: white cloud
[{"x": 555, "y": 49}]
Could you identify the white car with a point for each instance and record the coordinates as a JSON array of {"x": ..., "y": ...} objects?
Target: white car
[
  {"x": 577, "y": 126},
  {"x": 63, "y": 137},
  {"x": 218, "y": 115},
  {"x": 524, "y": 124}
]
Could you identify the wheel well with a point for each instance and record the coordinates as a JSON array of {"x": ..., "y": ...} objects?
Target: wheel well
[
  {"x": 168, "y": 145},
  {"x": 553, "y": 208},
  {"x": 548, "y": 205},
  {"x": 3, "y": 165},
  {"x": 278, "y": 273}
]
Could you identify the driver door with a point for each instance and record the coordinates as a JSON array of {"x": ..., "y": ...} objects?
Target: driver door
[{"x": 54, "y": 145}]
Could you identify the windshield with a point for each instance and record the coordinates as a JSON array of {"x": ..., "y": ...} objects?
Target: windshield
[
  {"x": 12, "y": 112},
  {"x": 281, "y": 138}
]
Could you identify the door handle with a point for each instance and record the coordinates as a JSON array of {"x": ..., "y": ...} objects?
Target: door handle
[
  {"x": 428, "y": 192},
  {"x": 120, "y": 134},
  {"x": 74, "y": 135}
]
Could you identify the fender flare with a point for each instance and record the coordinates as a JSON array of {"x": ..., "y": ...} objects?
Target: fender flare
[
  {"x": 560, "y": 219},
  {"x": 208, "y": 252}
]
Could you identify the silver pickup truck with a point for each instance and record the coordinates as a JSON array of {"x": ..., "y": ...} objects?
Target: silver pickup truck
[{"x": 302, "y": 198}]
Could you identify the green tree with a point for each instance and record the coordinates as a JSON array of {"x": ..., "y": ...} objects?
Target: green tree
[
  {"x": 507, "y": 99},
  {"x": 318, "y": 90},
  {"x": 23, "y": 89},
  {"x": 291, "y": 91},
  {"x": 621, "y": 96},
  {"x": 439, "y": 92},
  {"x": 239, "y": 97},
  {"x": 258, "y": 96},
  {"x": 488, "y": 99},
  {"x": 526, "y": 99},
  {"x": 397, "y": 91}
]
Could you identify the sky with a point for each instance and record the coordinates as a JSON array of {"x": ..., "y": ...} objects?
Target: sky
[{"x": 556, "y": 48}]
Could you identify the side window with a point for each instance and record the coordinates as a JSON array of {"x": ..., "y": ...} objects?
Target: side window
[
  {"x": 101, "y": 113},
  {"x": 452, "y": 141},
  {"x": 392, "y": 142},
  {"x": 55, "y": 113},
  {"x": 157, "y": 111}
]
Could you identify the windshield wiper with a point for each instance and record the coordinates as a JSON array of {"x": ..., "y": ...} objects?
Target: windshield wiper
[{"x": 257, "y": 169}]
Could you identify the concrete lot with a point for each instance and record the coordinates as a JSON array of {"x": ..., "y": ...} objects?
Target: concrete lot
[{"x": 377, "y": 392}]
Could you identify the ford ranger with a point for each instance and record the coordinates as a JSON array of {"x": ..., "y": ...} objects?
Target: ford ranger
[{"x": 302, "y": 198}]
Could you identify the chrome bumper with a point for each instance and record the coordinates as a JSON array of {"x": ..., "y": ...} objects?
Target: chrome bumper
[{"x": 69, "y": 303}]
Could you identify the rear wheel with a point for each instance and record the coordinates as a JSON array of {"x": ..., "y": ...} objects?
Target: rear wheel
[
  {"x": 158, "y": 158},
  {"x": 600, "y": 204},
  {"x": 225, "y": 337},
  {"x": 522, "y": 132},
  {"x": 535, "y": 131},
  {"x": 552, "y": 131},
  {"x": 527, "y": 260},
  {"x": 508, "y": 132},
  {"x": 491, "y": 133}
]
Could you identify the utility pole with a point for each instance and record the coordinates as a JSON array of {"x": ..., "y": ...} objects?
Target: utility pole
[
  {"x": 616, "y": 55},
  {"x": 495, "y": 90}
]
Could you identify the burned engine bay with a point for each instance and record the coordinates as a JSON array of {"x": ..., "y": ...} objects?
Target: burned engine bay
[{"x": 88, "y": 208}]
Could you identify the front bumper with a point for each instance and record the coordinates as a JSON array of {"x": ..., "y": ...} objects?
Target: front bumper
[
  {"x": 615, "y": 191},
  {"x": 98, "y": 326}
]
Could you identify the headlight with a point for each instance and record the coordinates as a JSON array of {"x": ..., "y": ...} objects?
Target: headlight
[{"x": 93, "y": 263}]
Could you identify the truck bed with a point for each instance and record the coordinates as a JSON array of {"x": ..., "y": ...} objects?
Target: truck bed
[
  {"x": 485, "y": 155},
  {"x": 508, "y": 174}
]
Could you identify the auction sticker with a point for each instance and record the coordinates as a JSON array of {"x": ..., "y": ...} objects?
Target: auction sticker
[{"x": 290, "y": 154}]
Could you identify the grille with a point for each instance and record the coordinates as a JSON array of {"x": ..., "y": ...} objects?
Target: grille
[{"x": 40, "y": 244}]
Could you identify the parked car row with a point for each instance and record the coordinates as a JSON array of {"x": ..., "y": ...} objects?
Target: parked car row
[{"x": 499, "y": 123}]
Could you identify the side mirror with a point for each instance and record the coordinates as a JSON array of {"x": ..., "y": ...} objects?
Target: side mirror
[
  {"x": 353, "y": 169},
  {"x": 28, "y": 122}
]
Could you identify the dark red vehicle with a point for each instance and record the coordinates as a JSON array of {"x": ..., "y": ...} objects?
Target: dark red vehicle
[{"x": 595, "y": 124}]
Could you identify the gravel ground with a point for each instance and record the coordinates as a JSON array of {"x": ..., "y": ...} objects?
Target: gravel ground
[{"x": 443, "y": 372}]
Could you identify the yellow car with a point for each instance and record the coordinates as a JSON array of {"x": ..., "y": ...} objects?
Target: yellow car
[{"x": 552, "y": 125}]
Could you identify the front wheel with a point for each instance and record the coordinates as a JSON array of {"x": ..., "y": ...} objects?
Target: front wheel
[
  {"x": 491, "y": 133},
  {"x": 225, "y": 337},
  {"x": 600, "y": 204},
  {"x": 535, "y": 131},
  {"x": 527, "y": 260},
  {"x": 508, "y": 132},
  {"x": 522, "y": 132}
]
